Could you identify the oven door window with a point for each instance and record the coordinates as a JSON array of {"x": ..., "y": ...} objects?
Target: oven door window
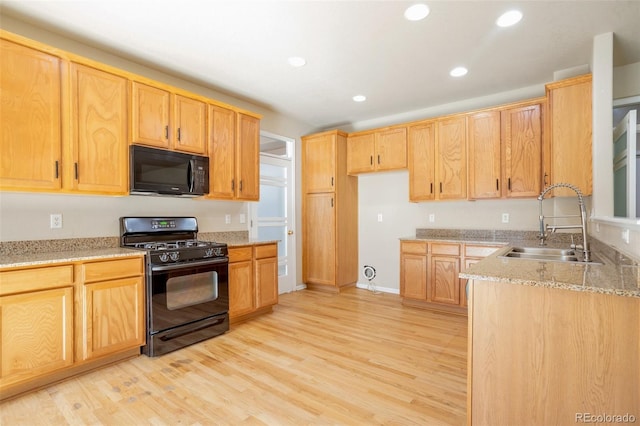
[{"x": 189, "y": 290}]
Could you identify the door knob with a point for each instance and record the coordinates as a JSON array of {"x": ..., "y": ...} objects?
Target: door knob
[{"x": 289, "y": 232}]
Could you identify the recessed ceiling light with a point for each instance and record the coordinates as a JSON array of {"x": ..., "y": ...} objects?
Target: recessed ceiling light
[
  {"x": 297, "y": 61},
  {"x": 458, "y": 72},
  {"x": 359, "y": 98},
  {"x": 416, "y": 12},
  {"x": 509, "y": 18}
]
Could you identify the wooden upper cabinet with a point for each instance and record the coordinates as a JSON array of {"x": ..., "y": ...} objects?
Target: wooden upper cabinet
[
  {"x": 163, "y": 119},
  {"x": 150, "y": 115},
  {"x": 451, "y": 158},
  {"x": 190, "y": 123},
  {"x": 421, "y": 140},
  {"x": 30, "y": 123},
  {"x": 248, "y": 158},
  {"x": 570, "y": 128},
  {"x": 319, "y": 159},
  {"x": 381, "y": 150},
  {"x": 361, "y": 148},
  {"x": 99, "y": 155},
  {"x": 222, "y": 152},
  {"x": 522, "y": 151},
  {"x": 483, "y": 133}
]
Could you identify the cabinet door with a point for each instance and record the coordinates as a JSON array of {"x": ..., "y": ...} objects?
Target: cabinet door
[
  {"x": 571, "y": 134},
  {"x": 361, "y": 153},
  {"x": 444, "y": 284},
  {"x": 319, "y": 253},
  {"x": 319, "y": 160},
  {"x": 36, "y": 334},
  {"x": 248, "y": 158},
  {"x": 391, "y": 149},
  {"x": 522, "y": 144},
  {"x": 100, "y": 143},
  {"x": 421, "y": 157},
  {"x": 114, "y": 314},
  {"x": 484, "y": 154},
  {"x": 222, "y": 145},
  {"x": 413, "y": 276},
  {"x": 150, "y": 115},
  {"x": 30, "y": 126},
  {"x": 190, "y": 119},
  {"x": 241, "y": 288},
  {"x": 266, "y": 281},
  {"x": 451, "y": 159}
]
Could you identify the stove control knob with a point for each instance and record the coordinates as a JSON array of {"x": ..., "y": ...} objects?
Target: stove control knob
[
  {"x": 174, "y": 256},
  {"x": 208, "y": 252},
  {"x": 164, "y": 257},
  {"x": 217, "y": 251}
]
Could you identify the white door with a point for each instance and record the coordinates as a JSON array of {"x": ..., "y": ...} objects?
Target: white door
[
  {"x": 625, "y": 179},
  {"x": 272, "y": 218}
]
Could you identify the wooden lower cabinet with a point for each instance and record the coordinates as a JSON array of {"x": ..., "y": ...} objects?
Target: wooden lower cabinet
[
  {"x": 113, "y": 300},
  {"x": 60, "y": 320},
  {"x": 253, "y": 280},
  {"x": 550, "y": 356},
  {"x": 429, "y": 273}
]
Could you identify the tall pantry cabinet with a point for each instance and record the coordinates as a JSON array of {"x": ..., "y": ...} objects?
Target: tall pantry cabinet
[{"x": 330, "y": 213}]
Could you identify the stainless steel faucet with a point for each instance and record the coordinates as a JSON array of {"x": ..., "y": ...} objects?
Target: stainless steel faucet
[{"x": 553, "y": 228}]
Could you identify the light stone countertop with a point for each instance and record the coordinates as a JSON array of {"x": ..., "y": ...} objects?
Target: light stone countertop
[
  {"x": 617, "y": 275},
  {"x": 49, "y": 258}
]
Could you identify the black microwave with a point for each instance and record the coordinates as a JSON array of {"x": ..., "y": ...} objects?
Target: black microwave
[{"x": 160, "y": 172}]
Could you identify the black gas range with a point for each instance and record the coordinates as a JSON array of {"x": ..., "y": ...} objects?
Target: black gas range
[{"x": 187, "y": 289}]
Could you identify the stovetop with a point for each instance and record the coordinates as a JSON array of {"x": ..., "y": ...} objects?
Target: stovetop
[{"x": 168, "y": 239}]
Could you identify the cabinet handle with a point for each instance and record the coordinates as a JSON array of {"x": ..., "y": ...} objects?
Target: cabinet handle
[
  {"x": 378, "y": 158},
  {"x": 57, "y": 175},
  {"x": 166, "y": 132},
  {"x": 331, "y": 201},
  {"x": 509, "y": 184},
  {"x": 75, "y": 166},
  {"x": 497, "y": 185},
  {"x": 178, "y": 134},
  {"x": 441, "y": 187},
  {"x": 544, "y": 179},
  {"x": 331, "y": 180},
  {"x": 233, "y": 184},
  {"x": 431, "y": 187},
  {"x": 371, "y": 160}
]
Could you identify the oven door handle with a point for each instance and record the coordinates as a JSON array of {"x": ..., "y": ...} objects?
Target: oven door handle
[{"x": 172, "y": 267}]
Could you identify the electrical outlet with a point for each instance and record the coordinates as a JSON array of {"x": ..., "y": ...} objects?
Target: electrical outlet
[
  {"x": 505, "y": 217},
  {"x": 432, "y": 218},
  {"x": 227, "y": 219},
  {"x": 55, "y": 221},
  {"x": 379, "y": 217}
]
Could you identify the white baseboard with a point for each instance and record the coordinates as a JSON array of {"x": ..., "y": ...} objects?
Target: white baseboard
[{"x": 376, "y": 287}]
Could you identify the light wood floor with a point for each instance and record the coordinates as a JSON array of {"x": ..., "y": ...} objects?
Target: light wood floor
[{"x": 352, "y": 358}]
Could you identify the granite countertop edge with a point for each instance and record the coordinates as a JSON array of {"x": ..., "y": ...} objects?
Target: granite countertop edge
[
  {"x": 617, "y": 275},
  {"x": 49, "y": 258}
]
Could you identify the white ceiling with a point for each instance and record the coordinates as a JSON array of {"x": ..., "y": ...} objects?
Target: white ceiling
[{"x": 241, "y": 47}]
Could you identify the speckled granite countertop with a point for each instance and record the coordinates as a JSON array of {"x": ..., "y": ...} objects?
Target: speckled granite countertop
[
  {"x": 46, "y": 258},
  {"x": 16, "y": 254},
  {"x": 617, "y": 275}
]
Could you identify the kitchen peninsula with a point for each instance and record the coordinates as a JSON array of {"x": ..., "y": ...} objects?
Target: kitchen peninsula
[{"x": 556, "y": 340}]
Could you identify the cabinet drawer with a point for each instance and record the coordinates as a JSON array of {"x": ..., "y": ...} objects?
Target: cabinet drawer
[
  {"x": 413, "y": 247},
  {"x": 35, "y": 279},
  {"x": 239, "y": 254},
  {"x": 479, "y": 251},
  {"x": 106, "y": 270},
  {"x": 445, "y": 249},
  {"x": 269, "y": 250}
]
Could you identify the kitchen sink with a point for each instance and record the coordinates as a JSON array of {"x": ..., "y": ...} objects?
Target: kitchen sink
[{"x": 548, "y": 254}]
